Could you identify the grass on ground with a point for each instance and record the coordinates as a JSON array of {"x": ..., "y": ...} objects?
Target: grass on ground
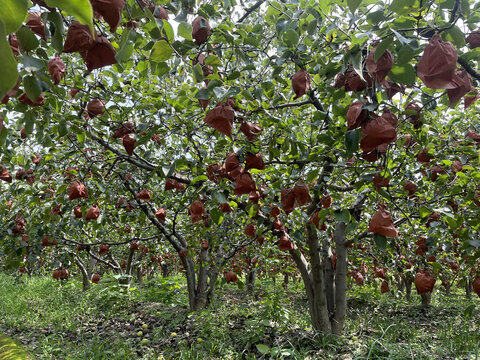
[{"x": 152, "y": 321}]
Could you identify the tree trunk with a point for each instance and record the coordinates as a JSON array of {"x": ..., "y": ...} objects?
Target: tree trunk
[
  {"x": 83, "y": 270},
  {"x": 139, "y": 274},
  {"x": 90, "y": 266},
  {"x": 426, "y": 299},
  {"x": 468, "y": 288},
  {"x": 165, "y": 269},
  {"x": 317, "y": 299},
  {"x": 400, "y": 282},
  {"x": 251, "y": 275},
  {"x": 446, "y": 284},
  {"x": 340, "y": 279},
  {"x": 408, "y": 286},
  {"x": 329, "y": 281},
  {"x": 201, "y": 290},
  {"x": 189, "y": 269}
]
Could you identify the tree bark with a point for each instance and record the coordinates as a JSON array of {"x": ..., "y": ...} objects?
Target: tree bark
[
  {"x": 201, "y": 290},
  {"x": 329, "y": 279},
  {"x": 468, "y": 288},
  {"x": 83, "y": 270},
  {"x": 319, "y": 311},
  {"x": 426, "y": 299},
  {"x": 165, "y": 269},
  {"x": 340, "y": 279},
  {"x": 408, "y": 286},
  {"x": 251, "y": 275}
]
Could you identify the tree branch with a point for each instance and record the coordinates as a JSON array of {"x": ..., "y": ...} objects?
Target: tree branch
[
  {"x": 251, "y": 10},
  {"x": 468, "y": 68}
]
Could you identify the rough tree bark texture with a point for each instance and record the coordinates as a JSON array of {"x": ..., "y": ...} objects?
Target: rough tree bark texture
[
  {"x": 329, "y": 280},
  {"x": 468, "y": 288},
  {"x": 251, "y": 275},
  {"x": 426, "y": 299},
  {"x": 408, "y": 286},
  {"x": 340, "y": 279},
  {"x": 83, "y": 270},
  {"x": 317, "y": 300}
]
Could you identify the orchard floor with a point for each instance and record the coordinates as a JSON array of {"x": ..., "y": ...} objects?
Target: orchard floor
[{"x": 151, "y": 321}]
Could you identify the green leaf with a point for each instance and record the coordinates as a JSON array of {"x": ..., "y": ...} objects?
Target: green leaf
[
  {"x": 81, "y": 137},
  {"x": 3, "y": 135},
  {"x": 454, "y": 35},
  {"x": 342, "y": 216},
  {"x": 185, "y": 30},
  {"x": 220, "y": 197},
  {"x": 404, "y": 74},
  {"x": 80, "y": 9},
  {"x": 199, "y": 178},
  {"x": 263, "y": 349},
  {"x": 380, "y": 241},
  {"x": 467, "y": 314},
  {"x": 32, "y": 64},
  {"x": 413, "y": 43},
  {"x": 381, "y": 48},
  {"x": 401, "y": 6},
  {"x": 125, "y": 52},
  {"x": 160, "y": 69},
  {"x": 312, "y": 27},
  {"x": 357, "y": 63},
  {"x": 8, "y": 73},
  {"x": 352, "y": 140},
  {"x": 29, "y": 122},
  {"x": 197, "y": 73},
  {"x": 57, "y": 39},
  {"x": 423, "y": 211},
  {"x": 216, "y": 215},
  {"x": 291, "y": 37},
  {"x": 167, "y": 28},
  {"x": 404, "y": 55},
  {"x": 26, "y": 37},
  {"x": 12, "y": 14},
  {"x": 32, "y": 87},
  {"x": 62, "y": 128},
  {"x": 161, "y": 51},
  {"x": 312, "y": 175},
  {"x": 353, "y": 5},
  {"x": 213, "y": 60},
  {"x": 202, "y": 94}
]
